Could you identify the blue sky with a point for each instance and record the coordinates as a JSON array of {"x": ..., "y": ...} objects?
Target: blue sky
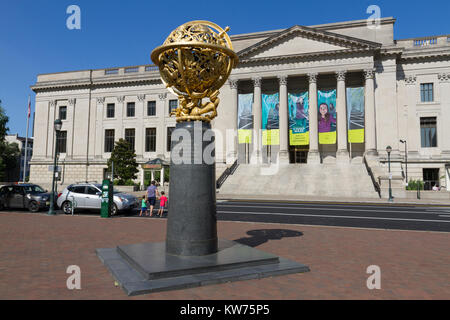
[{"x": 34, "y": 38}]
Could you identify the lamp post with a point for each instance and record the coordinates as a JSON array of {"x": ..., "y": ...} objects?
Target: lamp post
[
  {"x": 388, "y": 150},
  {"x": 406, "y": 159},
  {"x": 57, "y": 126}
]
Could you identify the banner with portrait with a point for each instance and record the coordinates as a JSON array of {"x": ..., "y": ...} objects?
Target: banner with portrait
[
  {"x": 355, "y": 114},
  {"x": 270, "y": 119},
  {"x": 298, "y": 119},
  {"x": 326, "y": 102},
  {"x": 245, "y": 118}
]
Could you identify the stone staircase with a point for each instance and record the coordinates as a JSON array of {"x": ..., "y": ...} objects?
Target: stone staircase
[{"x": 327, "y": 180}]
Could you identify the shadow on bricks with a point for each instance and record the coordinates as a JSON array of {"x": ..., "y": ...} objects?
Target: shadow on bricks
[{"x": 260, "y": 236}]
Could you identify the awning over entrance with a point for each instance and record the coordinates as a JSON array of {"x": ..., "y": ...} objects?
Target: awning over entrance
[{"x": 155, "y": 164}]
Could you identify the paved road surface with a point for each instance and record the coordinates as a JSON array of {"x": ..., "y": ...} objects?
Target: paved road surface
[{"x": 404, "y": 217}]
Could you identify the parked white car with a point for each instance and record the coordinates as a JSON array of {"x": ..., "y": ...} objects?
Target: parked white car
[{"x": 89, "y": 196}]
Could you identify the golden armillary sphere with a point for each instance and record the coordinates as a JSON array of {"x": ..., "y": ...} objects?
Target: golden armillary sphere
[{"x": 194, "y": 62}]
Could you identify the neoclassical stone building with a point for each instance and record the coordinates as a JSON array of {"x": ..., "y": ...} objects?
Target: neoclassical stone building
[{"x": 404, "y": 95}]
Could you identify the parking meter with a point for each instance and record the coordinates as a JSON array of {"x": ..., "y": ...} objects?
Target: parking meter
[{"x": 107, "y": 198}]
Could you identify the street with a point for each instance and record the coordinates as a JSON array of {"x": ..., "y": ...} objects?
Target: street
[{"x": 380, "y": 216}]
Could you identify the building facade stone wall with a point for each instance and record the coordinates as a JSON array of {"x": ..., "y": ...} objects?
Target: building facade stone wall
[{"x": 335, "y": 55}]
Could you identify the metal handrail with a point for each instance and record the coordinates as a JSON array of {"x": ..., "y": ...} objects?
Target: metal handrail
[
  {"x": 228, "y": 171},
  {"x": 376, "y": 185},
  {"x": 234, "y": 167}
]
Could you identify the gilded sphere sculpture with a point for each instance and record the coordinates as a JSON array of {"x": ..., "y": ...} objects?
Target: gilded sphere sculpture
[{"x": 194, "y": 62}]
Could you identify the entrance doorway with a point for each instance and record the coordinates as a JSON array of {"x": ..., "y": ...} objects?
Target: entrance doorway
[
  {"x": 430, "y": 178},
  {"x": 298, "y": 154}
]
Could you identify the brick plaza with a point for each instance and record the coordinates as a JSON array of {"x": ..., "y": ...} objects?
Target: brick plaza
[{"x": 36, "y": 250}]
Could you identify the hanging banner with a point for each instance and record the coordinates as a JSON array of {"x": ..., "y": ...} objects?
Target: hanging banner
[
  {"x": 298, "y": 119},
  {"x": 355, "y": 114},
  {"x": 245, "y": 118},
  {"x": 270, "y": 119},
  {"x": 326, "y": 102}
]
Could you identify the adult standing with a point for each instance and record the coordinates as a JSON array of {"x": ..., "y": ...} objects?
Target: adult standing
[{"x": 152, "y": 192}]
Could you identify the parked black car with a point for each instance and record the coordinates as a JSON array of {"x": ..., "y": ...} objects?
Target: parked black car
[{"x": 24, "y": 196}]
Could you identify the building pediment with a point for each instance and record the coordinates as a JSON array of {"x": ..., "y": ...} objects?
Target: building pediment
[{"x": 299, "y": 40}]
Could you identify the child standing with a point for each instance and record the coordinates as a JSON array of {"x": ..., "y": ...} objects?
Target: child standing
[
  {"x": 162, "y": 204},
  {"x": 143, "y": 207}
]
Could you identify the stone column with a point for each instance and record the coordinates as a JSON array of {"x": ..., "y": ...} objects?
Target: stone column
[
  {"x": 51, "y": 131},
  {"x": 257, "y": 133},
  {"x": 232, "y": 152},
  {"x": 284, "y": 121},
  {"x": 444, "y": 144},
  {"x": 70, "y": 131},
  {"x": 140, "y": 130},
  {"x": 161, "y": 112},
  {"x": 162, "y": 176},
  {"x": 120, "y": 116},
  {"x": 369, "y": 98},
  {"x": 342, "y": 154},
  {"x": 412, "y": 127},
  {"x": 99, "y": 133},
  {"x": 192, "y": 225},
  {"x": 141, "y": 176},
  {"x": 313, "y": 154}
]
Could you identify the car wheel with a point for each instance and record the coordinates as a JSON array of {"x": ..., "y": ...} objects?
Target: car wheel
[
  {"x": 114, "y": 209},
  {"x": 67, "y": 207},
  {"x": 33, "y": 206},
  {"x": 2, "y": 207}
]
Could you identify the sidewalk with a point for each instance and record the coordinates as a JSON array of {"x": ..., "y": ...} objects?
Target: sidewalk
[
  {"x": 36, "y": 250},
  {"x": 281, "y": 198}
]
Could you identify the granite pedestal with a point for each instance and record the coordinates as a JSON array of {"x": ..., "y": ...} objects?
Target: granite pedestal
[{"x": 147, "y": 267}]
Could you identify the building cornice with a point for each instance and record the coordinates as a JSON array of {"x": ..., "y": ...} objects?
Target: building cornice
[
  {"x": 391, "y": 50},
  {"x": 304, "y": 56},
  {"x": 418, "y": 54}
]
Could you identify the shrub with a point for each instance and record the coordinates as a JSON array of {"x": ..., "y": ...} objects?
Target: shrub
[{"x": 414, "y": 184}]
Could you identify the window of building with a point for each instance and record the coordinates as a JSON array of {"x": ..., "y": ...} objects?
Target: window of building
[
  {"x": 151, "y": 68},
  {"x": 110, "y": 110},
  {"x": 430, "y": 178},
  {"x": 62, "y": 113},
  {"x": 131, "y": 69},
  {"x": 169, "y": 137},
  {"x": 130, "y": 109},
  {"x": 150, "y": 140},
  {"x": 112, "y": 71},
  {"x": 130, "y": 137},
  {"x": 109, "y": 140},
  {"x": 173, "y": 104},
  {"x": 426, "y": 92},
  {"x": 61, "y": 138},
  {"x": 151, "y": 108},
  {"x": 428, "y": 132}
]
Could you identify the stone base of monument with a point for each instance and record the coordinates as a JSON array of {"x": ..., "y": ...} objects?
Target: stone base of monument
[{"x": 146, "y": 267}]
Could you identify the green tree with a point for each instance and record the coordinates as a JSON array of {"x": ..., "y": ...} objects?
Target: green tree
[
  {"x": 3, "y": 123},
  {"x": 9, "y": 152},
  {"x": 9, "y": 160},
  {"x": 125, "y": 165}
]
